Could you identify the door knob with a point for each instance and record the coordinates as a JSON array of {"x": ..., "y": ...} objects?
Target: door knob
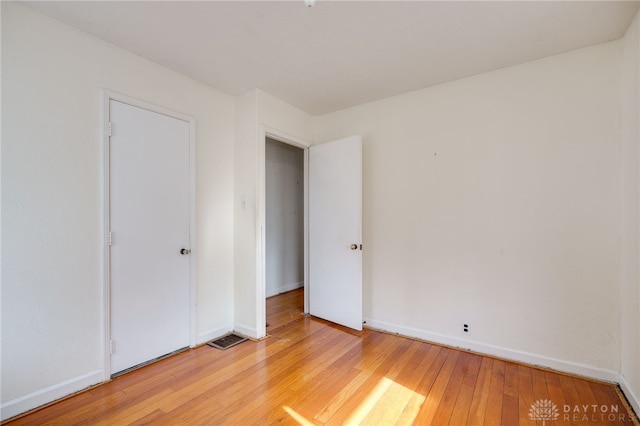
[
  {"x": 354, "y": 247},
  {"x": 185, "y": 251}
]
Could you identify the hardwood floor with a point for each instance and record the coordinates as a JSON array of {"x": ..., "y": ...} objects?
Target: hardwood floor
[
  {"x": 284, "y": 308},
  {"x": 313, "y": 372}
]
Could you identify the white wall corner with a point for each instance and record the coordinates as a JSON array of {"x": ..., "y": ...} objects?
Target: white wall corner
[
  {"x": 292, "y": 287},
  {"x": 213, "y": 334},
  {"x": 247, "y": 331},
  {"x": 52, "y": 393},
  {"x": 284, "y": 289},
  {"x": 634, "y": 399},
  {"x": 559, "y": 365}
]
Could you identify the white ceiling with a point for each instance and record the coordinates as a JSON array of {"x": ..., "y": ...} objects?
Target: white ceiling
[{"x": 342, "y": 53}]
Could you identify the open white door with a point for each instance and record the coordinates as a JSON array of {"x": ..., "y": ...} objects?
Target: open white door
[{"x": 335, "y": 231}]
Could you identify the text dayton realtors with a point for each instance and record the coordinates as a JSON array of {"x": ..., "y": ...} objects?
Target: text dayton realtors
[{"x": 594, "y": 413}]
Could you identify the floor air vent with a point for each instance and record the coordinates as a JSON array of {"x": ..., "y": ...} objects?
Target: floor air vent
[{"x": 225, "y": 342}]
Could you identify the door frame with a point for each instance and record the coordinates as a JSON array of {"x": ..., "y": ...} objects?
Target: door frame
[
  {"x": 107, "y": 97},
  {"x": 261, "y": 221}
]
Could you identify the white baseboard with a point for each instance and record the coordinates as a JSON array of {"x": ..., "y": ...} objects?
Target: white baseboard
[
  {"x": 500, "y": 352},
  {"x": 284, "y": 289},
  {"x": 52, "y": 393},
  {"x": 213, "y": 334},
  {"x": 246, "y": 331},
  {"x": 632, "y": 397}
]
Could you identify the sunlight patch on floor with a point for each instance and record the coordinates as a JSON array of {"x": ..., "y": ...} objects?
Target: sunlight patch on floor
[
  {"x": 386, "y": 405},
  {"x": 297, "y": 417}
]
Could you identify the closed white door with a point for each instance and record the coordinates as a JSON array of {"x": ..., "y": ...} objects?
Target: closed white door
[
  {"x": 149, "y": 223},
  {"x": 335, "y": 231}
]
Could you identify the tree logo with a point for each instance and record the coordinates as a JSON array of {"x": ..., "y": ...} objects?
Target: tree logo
[{"x": 543, "y": 409}]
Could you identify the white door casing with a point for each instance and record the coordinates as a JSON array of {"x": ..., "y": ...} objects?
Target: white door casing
[
  {"x": 149, "y": 218},
  {"x": 335, "y": 231}
]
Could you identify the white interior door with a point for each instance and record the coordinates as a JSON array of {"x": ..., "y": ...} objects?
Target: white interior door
[
  {"x": 335, "y": 231},
  {"x": 149, "y": 221}
]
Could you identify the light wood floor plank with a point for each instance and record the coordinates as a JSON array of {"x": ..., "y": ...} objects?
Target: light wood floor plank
[
  {"x": 571, "y": 396},
  {"x": 481, "y": 393},
  {"x": 525, "y": 394},
  {"x": 493, "y": 414},
  {"x": 510, "y": 403},
  {"x": 444, "y": 411},
  {"x": 465, "y": 396},
  {"x": 367, "y": 379},
  {"x": 412, "y": 377},
  {"x": 437, "y": 391}
]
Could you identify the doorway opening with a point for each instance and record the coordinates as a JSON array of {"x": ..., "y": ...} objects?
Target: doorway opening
[{"x": 284, "y": 233}]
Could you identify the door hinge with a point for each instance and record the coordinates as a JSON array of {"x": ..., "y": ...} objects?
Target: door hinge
[
  {"x": 110, "y": 238},
  {"x": 111, "y": 347},
  {"x": 109, "y": 128}
]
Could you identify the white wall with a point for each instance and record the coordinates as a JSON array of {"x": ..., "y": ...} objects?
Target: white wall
[
  {"x": 285, "y": 217},
  {"x": 630, "y": 136},
  {"x": 244, "y": 225},
  {"x": 52, "y": 192},
  {"x": 495, "y": 201},
  {"x": 256, "y": 112}
]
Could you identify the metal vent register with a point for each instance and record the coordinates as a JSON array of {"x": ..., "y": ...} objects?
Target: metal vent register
[{"x": 225, "y": 342}]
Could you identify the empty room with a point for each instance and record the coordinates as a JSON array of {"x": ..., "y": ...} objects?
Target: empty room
[{"x": 420, "y": 212}]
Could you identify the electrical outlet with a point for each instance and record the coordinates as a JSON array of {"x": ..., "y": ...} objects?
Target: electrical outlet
[{"x": 465, "y": 328}]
